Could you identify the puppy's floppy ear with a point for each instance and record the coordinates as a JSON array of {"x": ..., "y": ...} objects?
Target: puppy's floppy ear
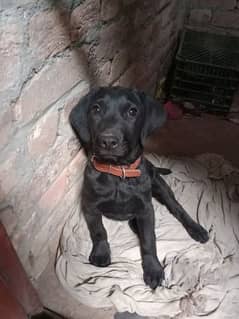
[
  {"x": 154, "y": 114},
  {"x": 79, "y": 118}
]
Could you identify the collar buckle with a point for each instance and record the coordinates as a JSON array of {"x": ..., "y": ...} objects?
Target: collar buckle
[{"x": 123, "y": 172}]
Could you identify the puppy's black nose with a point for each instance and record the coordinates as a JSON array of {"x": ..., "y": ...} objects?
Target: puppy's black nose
[{"x": 108, "y": 141}]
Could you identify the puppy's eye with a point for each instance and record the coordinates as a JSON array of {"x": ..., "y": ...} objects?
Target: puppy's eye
[
  {"x": 96, "y": 108},
  {"x": 132, "y": 111}
]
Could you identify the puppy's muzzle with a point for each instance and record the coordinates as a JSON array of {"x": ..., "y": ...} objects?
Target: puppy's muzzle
[{"x": 108, "y": 141}]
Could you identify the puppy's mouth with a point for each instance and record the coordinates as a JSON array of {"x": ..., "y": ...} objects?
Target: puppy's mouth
[{"x": 111, "y": 155}]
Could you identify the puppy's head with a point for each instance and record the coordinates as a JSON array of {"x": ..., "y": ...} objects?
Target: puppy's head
[{"x": 113, "y": 122}]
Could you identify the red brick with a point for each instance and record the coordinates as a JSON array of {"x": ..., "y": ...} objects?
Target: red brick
[
  {"x": 119, "y": 64},
  {"x": 226, "y": 19},
  {"x": 11, "y": 36},
  {"x": 109, "y": 9},
  {"x": 64, "y": 150},
  {"x": 54, "y": 222},
  {"x": 54, "y": 194},
  {"x": 48, "y": 34},
  {"x": 49, "y": 85},
  {"x": 56, "y": 191},
  {"x": 43, "y": 135},
  {"x": 75, "y": 169},
  {"x": 50, "y": 167}
]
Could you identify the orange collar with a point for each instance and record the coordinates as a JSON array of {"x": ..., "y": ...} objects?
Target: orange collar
[{"x": 117, "y": 170}]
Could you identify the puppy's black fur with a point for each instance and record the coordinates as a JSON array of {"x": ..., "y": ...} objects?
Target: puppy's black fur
[{"x": 112, "y": 124}]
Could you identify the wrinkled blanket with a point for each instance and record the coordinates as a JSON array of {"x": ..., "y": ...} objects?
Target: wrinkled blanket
[{"x": 200, "y": 280}]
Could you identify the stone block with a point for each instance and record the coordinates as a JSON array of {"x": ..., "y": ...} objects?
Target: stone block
[
  {"x": 66, "y": 104},
  {"x": 11, "y": 39},
  {"x": 85, "y": 17},
  {"x": 129, "y": 77},
  {"x": 48, "y": 34},
  {"x": 168, "y": 13},
  {"x": 119, "y": 64},
  {"x": 47, "y": 86},
  {"x": 104, "y": 73},
  {"x": 8, "y": 175},
  {"x": 43, "y": 134},
  {"x": 165, "y": 37},
  {"x": 112, "y": 37},
  {"x": 6, "y": 126},
  {"x": 109, "y": 9}
]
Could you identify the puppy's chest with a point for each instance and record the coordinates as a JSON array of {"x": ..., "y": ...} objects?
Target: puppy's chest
[{"x": 125, "y": 199}]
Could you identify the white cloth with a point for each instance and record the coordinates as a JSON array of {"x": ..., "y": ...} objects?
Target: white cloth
[{"x": 200, "y": 279}]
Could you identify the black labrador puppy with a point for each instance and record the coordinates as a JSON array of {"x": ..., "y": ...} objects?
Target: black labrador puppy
[{"x": 112, "y": 124}]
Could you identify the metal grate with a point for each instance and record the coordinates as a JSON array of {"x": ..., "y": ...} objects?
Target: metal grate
[
  {"x": 207, "y": 69},
  {"x": 211, "y": 49}
]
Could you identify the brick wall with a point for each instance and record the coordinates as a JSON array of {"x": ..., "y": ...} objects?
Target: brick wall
[
  {"x": 50, "y": 53},
  {"x": 217, "y": 15}
]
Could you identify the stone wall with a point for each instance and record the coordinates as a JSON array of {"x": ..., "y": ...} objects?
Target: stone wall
[{"x": 50, "y": 54}]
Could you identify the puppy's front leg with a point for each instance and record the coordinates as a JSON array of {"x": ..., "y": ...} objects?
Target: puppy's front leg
[
  {"x": 153, "y": 271},
  {"x": 163, "y": 193},
  {"x": 100, "y": 254}
]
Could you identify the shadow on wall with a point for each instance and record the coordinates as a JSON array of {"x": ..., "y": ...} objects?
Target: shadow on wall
[{"x": 127, "y": 43}]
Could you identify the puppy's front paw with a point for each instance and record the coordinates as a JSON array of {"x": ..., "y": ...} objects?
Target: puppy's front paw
[
  {"x": 100, "y": 254},
  {"x": 198, "y": 233},
  {"x": 153, "y": 272}
]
